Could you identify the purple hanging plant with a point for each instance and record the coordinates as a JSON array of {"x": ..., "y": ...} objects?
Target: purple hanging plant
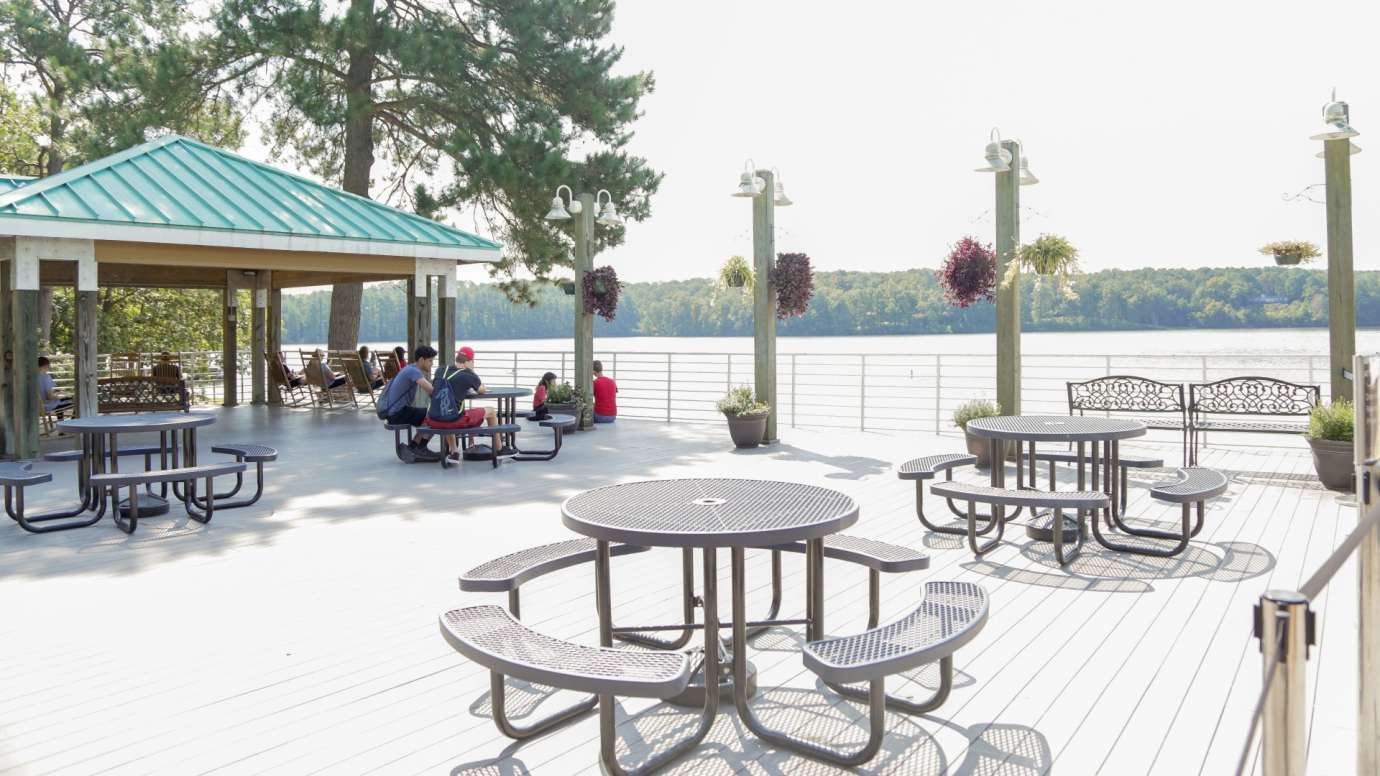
[
  {"x": 601, "y": 288},
  {"x": 794, "y": 283},
  {"x": 969, "y": 273}
]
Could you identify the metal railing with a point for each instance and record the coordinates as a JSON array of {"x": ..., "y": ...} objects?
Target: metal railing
[{"x": 1286, "y": 624}]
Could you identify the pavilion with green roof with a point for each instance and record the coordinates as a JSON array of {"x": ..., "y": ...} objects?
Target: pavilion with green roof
[{"x": 177, "y": 213}]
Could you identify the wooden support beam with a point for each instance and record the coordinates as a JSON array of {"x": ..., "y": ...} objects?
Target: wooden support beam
[
  {"x": 410, "y": 288},
  {"x": 274, "y": 334},
  {"x": 445, "y": 316},
  {"x": 87, "y": 317},
  {"x": 229, "y": 353},
  {"x": 7, "y": 370},
  {"x": 1341, "y": 280},
  {"x": 1008, "y": 240},
  {"x": 24, "y": 321},
  {"x": 421, "y": 314},
  {"x": 258, "y": 339},
  {"x": 764, "y": 299}
]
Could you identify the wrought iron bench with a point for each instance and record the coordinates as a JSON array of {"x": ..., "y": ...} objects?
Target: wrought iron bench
[
  {"x": 493, "y": 638},
  {"x": 559, "y": 424},
  {"x": 1158, "y": 405},
  {"x": 950, "y": 616},
  {"x": 1191, "y": 489},
  {"x": 1058, "y": 529},
  {"x": 509, "y": 573},
  {"x": 113, "y": 481},
  {"x": 1272, "y": 401},
  {"x": 142, "y": 393},
  {"x": 15, "y": 477},
  {"x": 878, "y": 557}
]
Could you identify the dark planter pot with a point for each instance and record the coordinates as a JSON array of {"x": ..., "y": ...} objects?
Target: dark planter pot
[
  {"x": 1288, "y": 259},
  {"x": 982, "y": 448},
  {"x": 570, "y": 409},
  {"x": 568, "y": 288},
  {"x": 747, "y": 430},
  {"x": 736, "y": 281},
  {"x": 1334, "y": 461}
]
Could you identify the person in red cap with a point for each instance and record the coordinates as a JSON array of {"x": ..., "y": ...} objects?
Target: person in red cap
[{"x": 463, "y": 382}]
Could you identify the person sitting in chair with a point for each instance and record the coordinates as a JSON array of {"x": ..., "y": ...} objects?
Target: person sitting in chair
[
  {"x": 54, "y": 401},
  {"x": 371, "y": 372},
  {"x": 329, "y": 379}
]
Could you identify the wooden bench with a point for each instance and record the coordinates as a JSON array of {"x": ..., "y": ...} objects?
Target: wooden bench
[
  {"x": 15, "y": 477},
  {"x": 924, "y": 469},
  {"x": 1191, "y": 488},
  {"x": 142, "y": 393},
  {"x": 559, "y": 424},
  {"x": 1059, "y": 528},
  {"x": 1273, "y": 402},
  {"x": 950, "y": 616},
  {"x": 1158, "y": 405},
  {"x": 493, "y": 638},
  {"x": 113, "y": 481},
  {"x": 878, "y": 557}
]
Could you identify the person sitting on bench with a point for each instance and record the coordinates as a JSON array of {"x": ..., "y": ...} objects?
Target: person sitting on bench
[
  {"x": 55, "y": 403},
  {"x": 396, "y": 405},
  {"x": 463, "y": 382},
  {"x": 539, "y": 395}
]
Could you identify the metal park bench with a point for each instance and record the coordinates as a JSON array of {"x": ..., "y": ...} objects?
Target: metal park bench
[
  {"x": 464, "y": 434},
  {"x": 950, "y": 616},
  {"x": 559, "y": 424},
  {"x": 508, "y": 573},
  {"x": 1079, "y": 501},
  {"x": 1157, "y": 405},
  {"x": 188, "y": 475},
  {"x": 878, "y": 557},
  {"x": 1269, "y": 400},
  {"x": 493, "y": 638},
  {"x": 1191, "y": 489},
  {"x": 244, "y": 452},
  {"x": 922, "y": 469},
  {"x": 15, "y": 477}
]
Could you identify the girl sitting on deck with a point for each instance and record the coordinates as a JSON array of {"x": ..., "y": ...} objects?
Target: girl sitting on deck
[{"x": 539, "y": 411}]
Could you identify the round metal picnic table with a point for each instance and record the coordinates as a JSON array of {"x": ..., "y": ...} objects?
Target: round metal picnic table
[
  {"x": 1102, "y": 435},
  {"x": 506, "y": 412},
  {"x": 101, "y": 447},
  {"x": 709, "y": 514}
]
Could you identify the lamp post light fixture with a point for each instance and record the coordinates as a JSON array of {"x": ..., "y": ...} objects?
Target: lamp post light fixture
[
  {"x": 763, "y": 187},
  {"x": 1006, "y": 159},
  {"x": 585, "y": 208},
  {"x": 1337, "y": 151}
]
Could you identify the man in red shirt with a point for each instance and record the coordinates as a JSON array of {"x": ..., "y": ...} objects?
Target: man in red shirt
[{"x": 605, "y": 389}]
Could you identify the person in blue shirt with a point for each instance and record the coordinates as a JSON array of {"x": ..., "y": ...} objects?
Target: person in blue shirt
[
  {"x": 54, "y": 402},
  {"x": 396, "y": 404}
]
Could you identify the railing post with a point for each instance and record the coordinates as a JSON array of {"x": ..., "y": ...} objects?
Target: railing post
[
  {"x": 938, "y": 389},
  {"x": 515, "y": 368},
  {"x": 1368, "y": 676},
  {"x": 728, "y": 377},
  {"x": 563, "y": 375},
  {"x": 862, "y": 394},
  {"x": 793, "y": 355},
  {"x": 668, "y": 387},
  {"x": 1285, "y": 627}
]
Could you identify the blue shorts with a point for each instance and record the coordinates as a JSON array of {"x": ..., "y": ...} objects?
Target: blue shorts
[{"x": 604, "y": 418}]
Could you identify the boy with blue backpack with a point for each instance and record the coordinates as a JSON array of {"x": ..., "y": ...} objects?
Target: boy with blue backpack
[
  {"x": 396, "y": 405},
  {"x": 452, "y": 386}
]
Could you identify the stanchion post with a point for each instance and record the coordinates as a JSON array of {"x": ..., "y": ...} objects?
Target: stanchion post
[{"x": 1284, "y": 626}]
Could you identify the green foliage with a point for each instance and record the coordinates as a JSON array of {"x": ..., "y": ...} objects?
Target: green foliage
[
  {"x": 20, "y": 123},
  {"x": 1335, "y": 421},
  {"x": 972, "y": 410},
  {"x": 741, "y": 401},
  {"x": 1049, "y": 254},
  {"x": 1304, "y": 250},
  {"x": 561, "y": 393},
  {"x": 148, "y": 320},
  {"x": 736, "y": 273},
  {"x": 479, "y": 106}
]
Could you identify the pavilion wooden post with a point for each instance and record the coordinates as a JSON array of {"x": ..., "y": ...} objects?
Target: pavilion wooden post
[
  {"x": 764, "y": 299},
  {"x": 584, "y": 319},
  {"x": 432, "y": 310},
  {"x": 258, "y": 334},
  {"x": 24, "y": 344},
  {"x": 1008, "y": 240},
  {"x": 445, "y": 315},
  {"x": 410, "y": 288},
  {"x": 229, "y": 354},
  {"x": 87, "y": 317},
  {"x": 274, "y": 334},
  {"x": 1341, "y": 281},
  {"x": 420, "y": 309},
  {"x": 6, "y": 347}
]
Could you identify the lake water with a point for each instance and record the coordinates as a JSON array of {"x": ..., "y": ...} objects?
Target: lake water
[{"x": 1187, "y": 341}]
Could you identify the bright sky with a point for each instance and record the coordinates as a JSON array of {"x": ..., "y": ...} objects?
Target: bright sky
[{"x": 1163, "y": 134}]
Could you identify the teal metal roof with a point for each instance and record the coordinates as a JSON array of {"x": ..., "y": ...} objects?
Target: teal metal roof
[
  {"x": 11, "y": 182},
  {"x": 179, "y": 183}
]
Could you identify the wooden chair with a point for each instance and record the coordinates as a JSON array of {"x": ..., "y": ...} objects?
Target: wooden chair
[
  {"x": 389, "y": 363},
  {"x": 359, "y": 377},
  {"x": 293, "y": 394},
  {"x": 311, "y": 369}
]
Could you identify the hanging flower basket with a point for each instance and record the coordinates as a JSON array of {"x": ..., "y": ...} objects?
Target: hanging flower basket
[
  {"x": 736, "y": 273},
  {"x": 794, "y": 282},
  {"x": 969, "y": 273},
  {"x": 601, "y": 288},
  {"x": 568, "y": 286},
  {"x": 1288, "y": 253}
]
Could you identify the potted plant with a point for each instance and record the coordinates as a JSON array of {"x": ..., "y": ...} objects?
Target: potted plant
[
  {"x": 968, "y": 412},
  {"x": 968, "y": 273},
  {"x": 1048, "y": 256},
  {"x": 747, "y": 417},
  {"x": 736, "y": 273},
  {"x": 1331, "y": 429},
  {"x": 794, "y": 282},
  {"x": 567, "y": 286},
  {"x": 563, "y": 399},
  {"x": 1290, "y": 252},
  {"x": 601, "y": 289}
]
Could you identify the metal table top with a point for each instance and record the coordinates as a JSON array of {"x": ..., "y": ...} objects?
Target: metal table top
[
  {"x": 501, "y": 392},
  {"x": 1055, "y": 428},
  {"x": 717, "y": 512},
  {"x": 136, "y": 423}
]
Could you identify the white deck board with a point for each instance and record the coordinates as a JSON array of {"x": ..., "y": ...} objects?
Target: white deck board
[{"x": 299, "y": 636}]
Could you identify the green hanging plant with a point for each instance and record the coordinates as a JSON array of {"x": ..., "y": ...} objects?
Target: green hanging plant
[
  {"x": 1291, "y": 252},
  {"x": 736, "y": 273},
  {"x": 1048, "y": 256}
]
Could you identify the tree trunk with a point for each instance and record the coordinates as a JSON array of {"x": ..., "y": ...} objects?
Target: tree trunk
[
  {"x": 343, "y": 331},
  {"x": 45, "y": 318}
]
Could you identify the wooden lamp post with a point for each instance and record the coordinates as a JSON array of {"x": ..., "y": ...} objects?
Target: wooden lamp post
[
  {"x": 1341, "y": 282},
  {"x": 766, "y": 193}
]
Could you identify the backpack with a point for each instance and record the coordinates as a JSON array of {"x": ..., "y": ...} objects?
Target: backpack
[{"x": 444, "y": 407}]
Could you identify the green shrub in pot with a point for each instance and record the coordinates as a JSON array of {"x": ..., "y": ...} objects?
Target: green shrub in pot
[
  {"x": 968, "y": 412},
  {"x": 1331, "y": 431}
]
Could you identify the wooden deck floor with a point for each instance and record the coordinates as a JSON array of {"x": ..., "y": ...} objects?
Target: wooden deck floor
[{"x": 300, "y": 637}]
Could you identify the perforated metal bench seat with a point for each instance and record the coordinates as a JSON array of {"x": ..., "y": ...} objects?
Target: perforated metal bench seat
[
  {"x": 878, "y": 556},
  {"x": 1263, "y": 426},
  {"x": 1126, "y": 461},
  {"x": 491, "y": 637},
  {"x": 64, "y": 456},
  {"x": 1194, "y": 483},
  {"x": 1038, "y": 499},
  {"x": 511, "y": 571},
  {"x": 927, "y": 467},
  {"x": 559, "y": 424},
  {"x": 558, "y": 421},
  {"x": 15, "y": 477},
  {"x": 20, "y": 475},
  {"x": 247, "y": 451},
  {"x": 186, "y": 474}
]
